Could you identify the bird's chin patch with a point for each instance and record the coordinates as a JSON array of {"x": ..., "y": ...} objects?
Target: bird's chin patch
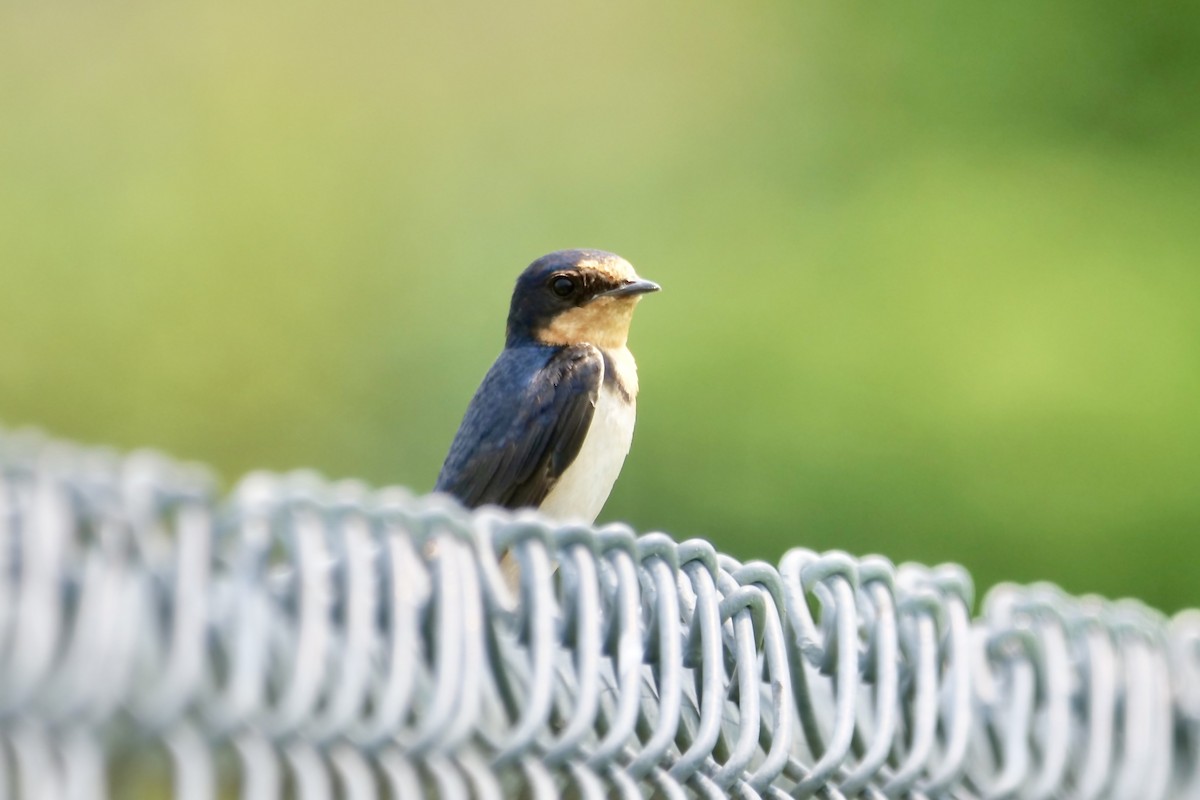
[{"x": 603, "y": 322}]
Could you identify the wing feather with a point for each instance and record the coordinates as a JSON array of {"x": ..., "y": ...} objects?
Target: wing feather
[{"x": 524, "y": 426}]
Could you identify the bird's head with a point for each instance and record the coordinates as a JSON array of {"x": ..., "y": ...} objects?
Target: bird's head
[{"x": 576, "y": 296}]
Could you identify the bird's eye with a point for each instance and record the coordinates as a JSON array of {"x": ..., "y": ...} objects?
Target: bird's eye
[{"x": 562, "y": 285}]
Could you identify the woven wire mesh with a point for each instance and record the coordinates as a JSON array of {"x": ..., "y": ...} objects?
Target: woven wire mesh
[{"x": 309, "y": 639}]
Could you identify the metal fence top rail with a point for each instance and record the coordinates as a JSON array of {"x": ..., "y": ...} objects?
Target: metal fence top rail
[{"x": 314, "y": 639}]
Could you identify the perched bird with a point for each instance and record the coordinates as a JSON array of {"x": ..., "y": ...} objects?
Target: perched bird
[{"x": 551, "y": 424}]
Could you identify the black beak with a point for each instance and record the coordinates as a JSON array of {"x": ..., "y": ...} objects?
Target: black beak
[{"x": 633, "y": 287}]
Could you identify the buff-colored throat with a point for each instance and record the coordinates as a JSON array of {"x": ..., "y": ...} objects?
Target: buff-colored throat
[{"x": 603, "y": 322}]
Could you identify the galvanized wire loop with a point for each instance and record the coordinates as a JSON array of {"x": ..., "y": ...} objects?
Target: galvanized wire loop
[
  {"x": 955, "y": 588},
  {"x": 704, "y": 655},
  {"x": 623, "y": 644},
  {"x": 777, "y": 735},
  {"x": 920, "y": 610},
  {"x": 879, "y": 658},
  {"x": 664, "y": 647},
  {"x": 317, "y": 640}
]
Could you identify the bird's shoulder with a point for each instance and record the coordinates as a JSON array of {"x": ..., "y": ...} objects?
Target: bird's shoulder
[{"x": 525, "y": 374}]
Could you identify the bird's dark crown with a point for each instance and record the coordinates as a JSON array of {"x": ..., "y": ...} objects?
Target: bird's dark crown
[{"x": 557, "y": 283}]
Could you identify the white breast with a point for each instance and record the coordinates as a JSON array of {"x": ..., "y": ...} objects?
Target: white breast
[{"x": 582, "y": 489}]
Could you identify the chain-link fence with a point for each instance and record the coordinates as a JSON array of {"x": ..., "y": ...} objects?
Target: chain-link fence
[{"x": 307, "y": 639}]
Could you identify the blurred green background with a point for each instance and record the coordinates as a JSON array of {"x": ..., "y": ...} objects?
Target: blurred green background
[{"x": 930, "y": 269}]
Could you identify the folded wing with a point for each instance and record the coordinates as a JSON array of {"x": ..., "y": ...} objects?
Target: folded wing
[{"x": 524, "y": 426}]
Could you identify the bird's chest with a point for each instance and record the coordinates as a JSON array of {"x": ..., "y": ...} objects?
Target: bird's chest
[{"x": 581, "y": 490}]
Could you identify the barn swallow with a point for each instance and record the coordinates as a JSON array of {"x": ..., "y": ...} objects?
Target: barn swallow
[{"x": 552, "y": 422}]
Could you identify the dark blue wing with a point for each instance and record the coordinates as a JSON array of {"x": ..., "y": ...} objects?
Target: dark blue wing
[{"x": 524, "y": 426}]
